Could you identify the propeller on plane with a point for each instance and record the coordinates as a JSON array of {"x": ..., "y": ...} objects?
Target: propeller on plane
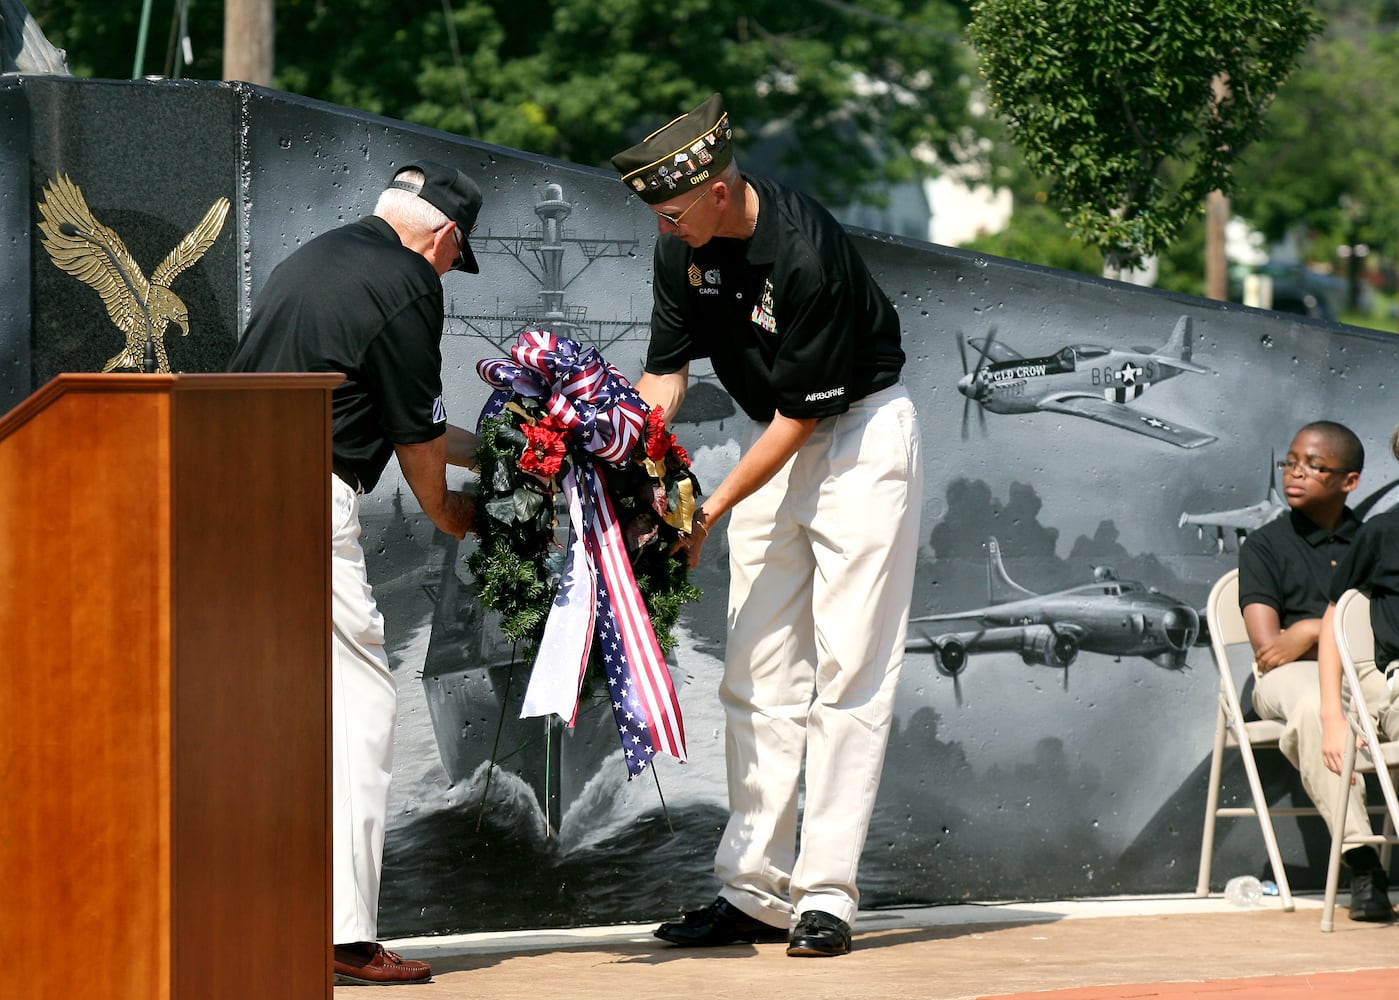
[
  {"x": 1066, "y": 650},
  {"x": 973, "y": 374},
  {"x": 949, "y": 660}
]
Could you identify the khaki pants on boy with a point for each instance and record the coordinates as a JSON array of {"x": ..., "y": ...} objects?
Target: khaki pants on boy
[{"x": 1291, "y": 694}]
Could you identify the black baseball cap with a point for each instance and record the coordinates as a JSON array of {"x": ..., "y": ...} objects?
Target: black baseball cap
[{"x": 453, "y": 194}]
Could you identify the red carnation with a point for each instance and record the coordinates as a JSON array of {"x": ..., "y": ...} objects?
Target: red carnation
[
  {"x": 658, "y": 441},
  {"x": 544, "y": 449}
]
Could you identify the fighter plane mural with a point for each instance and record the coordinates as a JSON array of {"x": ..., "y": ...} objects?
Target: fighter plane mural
[
  {"x": 1242, "y": 520},
  {"x": 1082, "y": 380},
  {"x": 1108, "y": 616}
]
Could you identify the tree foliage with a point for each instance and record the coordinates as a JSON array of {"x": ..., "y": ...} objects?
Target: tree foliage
[
  {"x": 866, "y": 87},
  {"x": 1116, "y": 101},
  {"x": 1328, "y": 162}
]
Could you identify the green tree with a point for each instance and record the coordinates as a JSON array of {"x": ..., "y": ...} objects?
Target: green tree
[
  {"x": 1116, "y": 102},
  {"x": 868, "y": 89},
  {"x": 1327, "y": 165}
]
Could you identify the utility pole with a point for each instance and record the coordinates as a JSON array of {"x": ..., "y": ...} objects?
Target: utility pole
[
  {"x": 1216, "y": 261},
  {"x": 247, "y": 41},
  {"x": 1216, "y": 216}
]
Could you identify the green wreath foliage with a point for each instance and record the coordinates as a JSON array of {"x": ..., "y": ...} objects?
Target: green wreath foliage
[{"x": 524, "y": 534}]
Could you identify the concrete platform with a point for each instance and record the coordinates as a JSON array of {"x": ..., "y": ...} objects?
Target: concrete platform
[{"x": 1105, "y": 949}]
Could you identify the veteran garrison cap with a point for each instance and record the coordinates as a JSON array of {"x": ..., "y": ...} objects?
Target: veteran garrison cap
[
  {"x": 453, "y": 194},
  {"x": 679, "y": 155}
]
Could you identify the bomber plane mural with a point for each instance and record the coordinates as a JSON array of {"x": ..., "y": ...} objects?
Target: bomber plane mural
[{"x": 1107, "y": 615}]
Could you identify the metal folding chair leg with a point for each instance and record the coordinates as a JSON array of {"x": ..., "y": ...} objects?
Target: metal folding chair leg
[{"x": 1231, "y": 732}]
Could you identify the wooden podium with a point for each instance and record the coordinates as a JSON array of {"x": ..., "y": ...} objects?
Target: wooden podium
[{"x": 164, "y": 709}]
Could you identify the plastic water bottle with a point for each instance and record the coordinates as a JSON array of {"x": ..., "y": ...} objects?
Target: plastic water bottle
[{"x": 1243, "y": 890}]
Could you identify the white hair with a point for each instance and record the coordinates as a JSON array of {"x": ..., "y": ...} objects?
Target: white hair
[{"x": 406, "y": 209}]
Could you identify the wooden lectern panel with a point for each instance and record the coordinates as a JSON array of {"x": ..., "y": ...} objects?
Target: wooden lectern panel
[
  {"x": 84, "y": 750},
  {"x": 164, "y": 624}
]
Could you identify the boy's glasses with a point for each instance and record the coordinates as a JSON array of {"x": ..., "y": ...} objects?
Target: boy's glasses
[{"x": 1292, "y": 466}]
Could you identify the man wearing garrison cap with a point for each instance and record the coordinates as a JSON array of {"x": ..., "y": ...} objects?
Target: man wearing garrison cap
[
  {"x": 365, "y": 300},
  {"x": 823, "y": 512}
]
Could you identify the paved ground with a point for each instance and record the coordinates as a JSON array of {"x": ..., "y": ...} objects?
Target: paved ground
[{"x": 1170, "y": 947}]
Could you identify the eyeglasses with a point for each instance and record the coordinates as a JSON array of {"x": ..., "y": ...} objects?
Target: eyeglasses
[
  {"x": 674, "y": 220},
  {"x": 1292, "y": 465},
  {"x": 461, "y": 241}
]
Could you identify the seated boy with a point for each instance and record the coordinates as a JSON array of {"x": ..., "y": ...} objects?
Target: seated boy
[
  {"x": 1285, "y": 571},
  {"x": 1372, "y": 567}
]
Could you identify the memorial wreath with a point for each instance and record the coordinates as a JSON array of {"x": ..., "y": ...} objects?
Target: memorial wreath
[{"x": 585, "y": 498}]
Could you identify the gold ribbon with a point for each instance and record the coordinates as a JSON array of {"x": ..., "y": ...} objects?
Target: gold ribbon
[{"x": 681, "y": 518}]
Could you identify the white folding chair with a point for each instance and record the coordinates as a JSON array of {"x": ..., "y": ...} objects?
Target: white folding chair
[
  {"x": 1365, "y": 752},
  {"x": 1233, "y": 732}
]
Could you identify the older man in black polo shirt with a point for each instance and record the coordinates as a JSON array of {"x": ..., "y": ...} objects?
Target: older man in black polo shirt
[
  {"x": 823, "y": 533},
  {"x": 365, "y": 300},
  {"x": 1285, "y": 572}
]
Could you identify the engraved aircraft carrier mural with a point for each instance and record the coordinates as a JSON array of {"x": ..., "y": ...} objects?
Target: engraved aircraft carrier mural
[
  {"x": 541, "y": 252},
  {"x": 1082, "y": 380}
]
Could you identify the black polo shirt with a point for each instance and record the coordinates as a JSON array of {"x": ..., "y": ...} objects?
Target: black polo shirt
[
  {"x": 1288, "y": 563},
  {"x": 1372, "y": 566},
  {"x": 355, "y": 300},
  {"x": 790, "y": 318}
]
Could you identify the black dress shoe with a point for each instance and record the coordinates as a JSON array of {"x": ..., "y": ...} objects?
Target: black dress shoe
[
  {"x": 717, "y": 924},
  {"x": 819, "y": 935},
  {"x": 1368, "y": 899}
]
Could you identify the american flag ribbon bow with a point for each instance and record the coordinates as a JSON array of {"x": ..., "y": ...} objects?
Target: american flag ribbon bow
[{"x": 597, "y": 597}]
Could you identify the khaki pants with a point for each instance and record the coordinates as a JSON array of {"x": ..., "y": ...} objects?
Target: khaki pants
[
  {"x": 1291, "y": 694},
  {"x": 363, "y": 706},
  {"x": 822, "y": 561}
]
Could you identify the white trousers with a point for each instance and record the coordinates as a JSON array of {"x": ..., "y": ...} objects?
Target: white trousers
[
  {"x": 363, "y": 706},
  {"x": 822, "y": 561}
]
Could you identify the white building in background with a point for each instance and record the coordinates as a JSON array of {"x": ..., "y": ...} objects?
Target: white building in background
[
  {"x": 941, "y": 210},
  {"x": 961, "y": 212},
  {"x": 907, "y": 213}
]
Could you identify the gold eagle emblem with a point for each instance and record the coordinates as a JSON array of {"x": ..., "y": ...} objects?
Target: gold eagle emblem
[{"x": 91, "y": 252}]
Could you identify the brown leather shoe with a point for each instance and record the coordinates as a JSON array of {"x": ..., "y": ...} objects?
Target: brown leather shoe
[{"x": 370, "y": 964}]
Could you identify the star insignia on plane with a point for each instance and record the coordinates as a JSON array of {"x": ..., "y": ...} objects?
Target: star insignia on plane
[{"x": 1129, "y": 374}]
